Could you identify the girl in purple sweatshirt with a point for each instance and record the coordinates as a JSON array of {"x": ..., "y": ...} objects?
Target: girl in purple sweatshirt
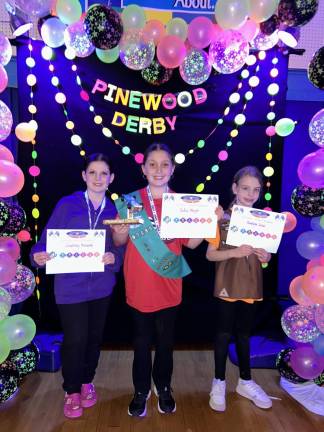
[{"x": 83, "y": 298}]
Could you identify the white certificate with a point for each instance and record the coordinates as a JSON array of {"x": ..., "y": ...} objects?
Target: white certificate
[
  {"x": 188, "y": 215},
  {"x": 75, "y": 251},
  {"x": 257, "y": 228}
]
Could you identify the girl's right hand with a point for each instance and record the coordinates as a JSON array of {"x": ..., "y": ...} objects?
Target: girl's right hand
[
  {"x": 120, "y": 228},
  {"x": 242, "y": 251},
  {"x": 41, "y": 258}
]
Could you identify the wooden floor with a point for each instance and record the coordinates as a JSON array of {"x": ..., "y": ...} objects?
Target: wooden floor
[{"x": 38, "y": 405}]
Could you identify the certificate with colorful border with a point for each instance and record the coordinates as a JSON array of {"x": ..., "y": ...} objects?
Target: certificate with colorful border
[
  {"x": 188, "y": 215},
  {"x": 75, "y": 251},
  {"x": 256, "y": 228}
]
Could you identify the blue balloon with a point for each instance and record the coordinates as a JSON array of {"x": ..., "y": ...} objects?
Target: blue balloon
[
  {"x": 310, "y": 244},
  {"x": 318, "y": 345},
  {"x": 317, "y": 223}
]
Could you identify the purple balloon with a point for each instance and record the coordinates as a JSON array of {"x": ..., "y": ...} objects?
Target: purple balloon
[
  {"x": 306, "y": 362},
  {"x": 311, "y": 169},
  {"x": 310, "y": 244},
  {"x": 8, "y": 268}
]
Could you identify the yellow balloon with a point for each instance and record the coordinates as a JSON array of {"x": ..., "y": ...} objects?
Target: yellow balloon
[{"x": 25, "y": 132}]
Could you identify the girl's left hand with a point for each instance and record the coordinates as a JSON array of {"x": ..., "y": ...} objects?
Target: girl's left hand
[
  {"x": 219, "y": 212},
  {"x": 263, "y": 255},
  {"x": 108, "y": 258}
]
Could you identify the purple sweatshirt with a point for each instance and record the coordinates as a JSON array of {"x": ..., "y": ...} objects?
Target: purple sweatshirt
[{"x": 71, "y": 212}]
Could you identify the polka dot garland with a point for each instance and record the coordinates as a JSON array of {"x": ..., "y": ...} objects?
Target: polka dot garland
[{"x": 239, "y": 121}]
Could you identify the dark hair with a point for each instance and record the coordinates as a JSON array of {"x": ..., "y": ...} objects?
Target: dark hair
[
  {"x": 249, "y": 170},
  {"x": 98, "y": 157},
  {"x": 158, "y": 146}
]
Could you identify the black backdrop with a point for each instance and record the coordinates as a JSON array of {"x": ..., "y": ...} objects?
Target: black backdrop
[{"x": 60, "y": 163}]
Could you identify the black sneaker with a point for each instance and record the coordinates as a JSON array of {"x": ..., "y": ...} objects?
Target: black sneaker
[
  {"x": 166, "y": 403},
  {"x": 137, "y": 408}
]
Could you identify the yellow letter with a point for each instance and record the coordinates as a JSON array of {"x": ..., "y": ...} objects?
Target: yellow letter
[{"x": 121, "y": 116}]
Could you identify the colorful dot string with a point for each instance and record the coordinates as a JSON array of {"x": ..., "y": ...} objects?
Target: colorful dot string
[
  {"x": 272, "y": 90},
  {"x": 60, "y": 99},
  {"x": 239, "y": 120}
]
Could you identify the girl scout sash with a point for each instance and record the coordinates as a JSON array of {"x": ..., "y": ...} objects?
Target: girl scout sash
[{"x": 149, "y": 244}]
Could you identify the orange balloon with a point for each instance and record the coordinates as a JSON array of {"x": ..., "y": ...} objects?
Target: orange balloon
[
  {"x": 291, "y": 222},
  {"x": 297, "y": 293},
  {"x": 313, "y": 284}
]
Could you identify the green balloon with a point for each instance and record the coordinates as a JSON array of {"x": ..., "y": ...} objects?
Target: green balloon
[
  {"x": 133, "y": 16},
  {"x": 177, "y": 27},
  {"x": 69, "y": 11},
  {"x": 284, "y": 127},
  {"x": 108, "y": 56},
  {"x": 4, "y": 347},
  {"x": 19, "y": 329}
]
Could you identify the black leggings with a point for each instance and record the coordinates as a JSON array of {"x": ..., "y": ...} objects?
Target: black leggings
[
  {"x": 83, "y": 325},
  {"x": 147, "y": 325},
  {"x": 233, "y": 318}
]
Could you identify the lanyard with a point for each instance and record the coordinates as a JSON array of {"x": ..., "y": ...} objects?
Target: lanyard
[
  {"x": 154, "y": 213},
  {"x": 103, "y": 205}
]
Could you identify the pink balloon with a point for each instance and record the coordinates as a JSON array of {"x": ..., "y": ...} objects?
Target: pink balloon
[
  {"x": 3, "y": 78},
  {"x": 313, "y": 263},
  {"x": 11, "y": 180},
  {"x": 171, "y": 51},
  {"x": 200, "y": 32},
  {"x": 319, "y": 317},
  {"x": 5, "y": 154},
  {"x": 290, "y": 223},
  {"x": 216, "y": 32},
  {"x": 8, "y": 268},
  {"x": 311, "y": 169},
  {"x": 155, "y": 30},
  {"x": 306, "y": 362},
  {"x": 10, "y": 246},
  {"x": 297, "y": 293},
  {"x": 313, "y": 284},
  {"x": 249, "y": 29}
]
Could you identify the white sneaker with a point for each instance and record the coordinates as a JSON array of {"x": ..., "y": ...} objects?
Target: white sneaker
[
  {"x": 252, "y": 391},
  {"x": 217, "y": 395}
]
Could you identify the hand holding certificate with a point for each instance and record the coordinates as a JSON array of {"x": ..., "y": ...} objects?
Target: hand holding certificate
[
  {"x": 75, "y": 251},
  {"x": 188, "y": 215},
  {"x": 257, "y": 228}
]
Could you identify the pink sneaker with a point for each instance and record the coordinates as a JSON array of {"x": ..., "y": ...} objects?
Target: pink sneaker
[
  {"x": 88, "y": 395},
  {"x": 72, "y": 405}
]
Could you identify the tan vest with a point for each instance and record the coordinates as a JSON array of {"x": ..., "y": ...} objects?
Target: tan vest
[{"x": 238, "y": 278}]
